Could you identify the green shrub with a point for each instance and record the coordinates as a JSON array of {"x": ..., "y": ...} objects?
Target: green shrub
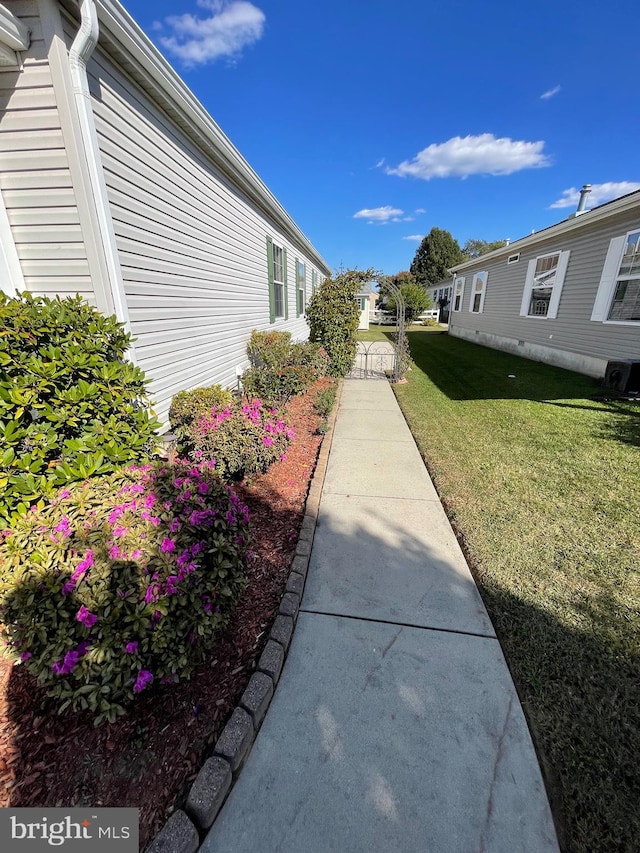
[
  {"x": 268, "y": 349},
  {"x": 121, "y": 582},
  {"x": 241, "y": 439},
  {"x": 325, "y": 401},
  {"x": 71, "y": 406},
  {"x": 188, "y": 406},
  {"x": 333, "y": 315},
  {"x": 281, "y": 369}
]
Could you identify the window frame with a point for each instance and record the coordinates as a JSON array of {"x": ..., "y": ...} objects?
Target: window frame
[
  {"x": 301, "y": 287},
  {"x": 556, "y": 287},
  {"x": 475, "y": 293},
  {"x": 610, "y": 279},
  {"x": 457, "y": 304},
  {"x": 277, "y": 287}
]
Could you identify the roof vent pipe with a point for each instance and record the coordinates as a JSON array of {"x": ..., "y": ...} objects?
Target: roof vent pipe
[{"x": 584, "y": 192}]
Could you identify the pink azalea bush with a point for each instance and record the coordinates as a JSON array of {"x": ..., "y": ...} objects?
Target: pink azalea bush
[
  {"x": 241, "y": 438},
  {"x": 122, "y": 582}
]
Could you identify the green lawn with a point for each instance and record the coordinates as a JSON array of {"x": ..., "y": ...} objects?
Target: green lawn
[{"x": 540, "y": 481}]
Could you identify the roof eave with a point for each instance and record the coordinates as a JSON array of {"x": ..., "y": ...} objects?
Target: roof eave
[
  {"x": 573, "y": 223},
  {"x": 121, "y": 28}
]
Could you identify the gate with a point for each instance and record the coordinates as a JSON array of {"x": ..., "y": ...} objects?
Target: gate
[{"x": 384, "y": 359}]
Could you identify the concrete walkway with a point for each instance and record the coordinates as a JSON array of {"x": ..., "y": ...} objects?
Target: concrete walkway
[{"x": 395, "y": 725}]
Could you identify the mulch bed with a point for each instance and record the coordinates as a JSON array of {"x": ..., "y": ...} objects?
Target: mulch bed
[{"x": 150, "y": 757}]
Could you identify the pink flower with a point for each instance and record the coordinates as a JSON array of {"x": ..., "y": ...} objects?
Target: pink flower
[
  {"x": 87, "y": 618},
  {"x": 131, "y": 648},
  {"x": 267, "y": 441},
  {"x": 64, "y": 493},
  {"x": 25, "y": 656},
  {"x": 63, "y": 526},
  {"x": 119, "y": 530},
  {"x": 114, "y": 552},
  {"x": 174, "y": 526},
  {"x": 168, "y": 545},
  {"x": 144, "y": 678},
  {"x": 136, "y": 554}
]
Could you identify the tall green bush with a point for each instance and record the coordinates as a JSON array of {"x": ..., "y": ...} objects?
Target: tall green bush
[
  {"x": 71, "y": 406},
  {"x": 122, "y": 582},
  {"x": 333, "y": 316}
]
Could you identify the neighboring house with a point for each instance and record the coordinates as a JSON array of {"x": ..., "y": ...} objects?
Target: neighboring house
[
  {"x": 116, "y": 184},
  {"x": 441, "y": 295},
  {"x": 568, "y": 295}
]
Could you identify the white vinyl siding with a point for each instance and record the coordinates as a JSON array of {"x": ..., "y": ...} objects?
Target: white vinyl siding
[
  {"x": 191, "y": 246},
  {"x": 478, "y": 291},
  {"x": 35, "y": 180},
  {"x": 543, "y": 285}
]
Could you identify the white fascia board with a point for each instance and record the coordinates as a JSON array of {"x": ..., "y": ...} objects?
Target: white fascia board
[
  {"x": 567, "y": 226},
  {"x": 13, "y": 33},
  {"x": 139, "y": 49}
]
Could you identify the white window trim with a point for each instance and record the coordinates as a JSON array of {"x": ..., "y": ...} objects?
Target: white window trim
[
  {"x": 462, "y": 280},
  {"x": 561, "y": 271},
  {"x": 608, "y": 282},
  {"x": 475, "y": 292}
]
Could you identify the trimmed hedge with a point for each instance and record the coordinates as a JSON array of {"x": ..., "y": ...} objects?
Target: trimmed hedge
[
  {"x": 122, "y": 582},
  {"x": 281, "y": 369}
]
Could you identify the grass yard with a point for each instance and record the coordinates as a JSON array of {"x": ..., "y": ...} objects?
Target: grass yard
[{"x": 540, "y": 479}]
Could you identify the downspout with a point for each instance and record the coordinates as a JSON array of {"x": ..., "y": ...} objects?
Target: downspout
[{"x": 83, "y": 46}]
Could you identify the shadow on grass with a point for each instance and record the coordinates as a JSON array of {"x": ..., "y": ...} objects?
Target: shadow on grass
[{"x": 467, "y": 371}]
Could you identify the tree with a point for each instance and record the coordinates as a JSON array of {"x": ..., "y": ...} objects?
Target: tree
[
  {"x": 475, "y": 248},
  {"x": 415, "y": 298},
  {"x": 437, "y": 253},
  {"x": 333, "y": 315}
]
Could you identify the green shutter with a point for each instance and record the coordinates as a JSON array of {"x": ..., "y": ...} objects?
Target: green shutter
[
  {"x": 272, "y": 298},
  {"x": 297, "y": 288},
  {"x": 314, "y": 281},
  {"x": 286, "y": 291}
]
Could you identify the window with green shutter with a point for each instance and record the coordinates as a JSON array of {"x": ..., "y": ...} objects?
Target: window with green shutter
[
  {"x": 277, "y": 273},
  {"x": 301, "y": 288}
]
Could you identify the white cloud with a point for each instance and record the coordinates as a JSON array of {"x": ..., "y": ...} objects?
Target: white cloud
[
  {"x": 379, "y": 215},
  {"x": 417, "y": 237},
  {"x": 598, "y": 195},
  {"x": 473, "y": 155},
  {"x": 232, "y": 26},
  {"x": 419, "y": 210},
  {"x": 550, "y": 93}
]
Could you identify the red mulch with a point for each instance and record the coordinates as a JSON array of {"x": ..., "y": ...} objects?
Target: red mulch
[{"x": 149, "y": 758}]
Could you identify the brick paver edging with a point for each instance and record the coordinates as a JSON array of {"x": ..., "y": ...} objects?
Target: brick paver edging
[{"x": 185, "y": 829}]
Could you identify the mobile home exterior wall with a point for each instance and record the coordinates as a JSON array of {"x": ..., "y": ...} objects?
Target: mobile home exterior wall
[
  {"x": 191, "y": 225},
  {"x": 495, "y": 312}
]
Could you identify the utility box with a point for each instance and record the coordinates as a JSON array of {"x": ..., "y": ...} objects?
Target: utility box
[{"x": 623, "y": 376}]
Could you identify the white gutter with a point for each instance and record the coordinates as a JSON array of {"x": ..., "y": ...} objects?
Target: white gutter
[
  {"x": 83, "y": 46},
  {"x": 11, "y": 278}
]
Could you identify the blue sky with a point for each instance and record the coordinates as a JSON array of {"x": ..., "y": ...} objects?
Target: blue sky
[{"x": 372, "y": 122}]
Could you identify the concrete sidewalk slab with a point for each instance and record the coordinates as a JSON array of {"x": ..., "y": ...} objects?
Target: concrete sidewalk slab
[
  {"x": 375, "y": 395},
  {"x": 377, "y": 469},
  {"x": 372, "y": 425},
  {"x": 395, "y": 560},
  {"x": 382, "y": 738}
]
